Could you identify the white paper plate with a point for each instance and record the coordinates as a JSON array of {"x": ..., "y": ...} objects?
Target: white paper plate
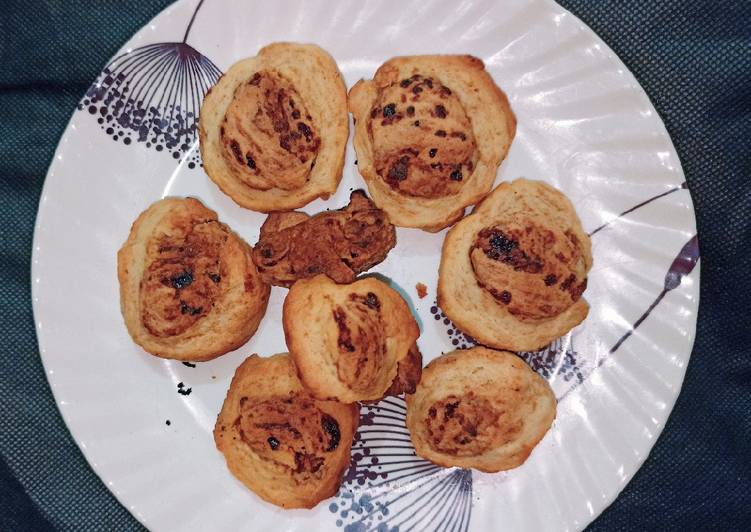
[{"x": 585, "y": 126}]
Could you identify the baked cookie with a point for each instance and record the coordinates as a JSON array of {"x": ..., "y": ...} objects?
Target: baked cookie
[
  {"x": 350, "y": 342},
  {"x": 274, "y": 128},
  {"x": 408, "y": 374},
  {"x": 513, "y": 272},
  {"x": 430, "y": 133},
  {"x": 286, "y": 446},
  {"x": 188, "y": 287},
  {"x": 340, "y": 243},
  {"x": 479, "y": 408}
]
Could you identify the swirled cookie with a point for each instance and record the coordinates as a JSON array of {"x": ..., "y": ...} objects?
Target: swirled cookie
[
  {"x": 286, "y": 446},
  {"x": 430, "y": 133},
  {"x": 188, "y": 287},
  {"x": 513, "y": 272},
  {"x": 340, "y": 243},
  {"x": 479, "y": 408},
  {"x": 274, "y": 128},
  {"x": 350, "y": 342}
]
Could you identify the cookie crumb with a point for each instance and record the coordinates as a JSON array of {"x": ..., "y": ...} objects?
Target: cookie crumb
[
  {"x": 422, "y": 290},
  {"x": 168, "y": 422}
]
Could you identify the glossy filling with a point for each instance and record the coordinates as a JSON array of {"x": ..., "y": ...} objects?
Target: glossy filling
[
  {"x": 268, "y": 135},
  {"x": 183, "y": 279},
  {"x": 466, "y": 426},
  {"x": 535, "y": 272},
  {"x": 422, "y": 138},
  {"x": 289, "y": 431},
  {"x": 360, "y": 341}
]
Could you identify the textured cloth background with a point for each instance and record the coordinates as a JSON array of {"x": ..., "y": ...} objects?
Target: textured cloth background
[{"x": 694, "y": 60}]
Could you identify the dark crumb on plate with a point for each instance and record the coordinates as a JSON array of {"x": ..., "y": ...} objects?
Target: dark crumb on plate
[
  {"x": 422, "y": 290},
  {"x": 189, "y": 364},
  {"x": 168, "y": 422}
]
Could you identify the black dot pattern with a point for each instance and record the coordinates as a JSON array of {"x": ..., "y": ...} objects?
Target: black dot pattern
[
  {"x": 458, "y": 339},
  {"x": 152, "y": 96}
]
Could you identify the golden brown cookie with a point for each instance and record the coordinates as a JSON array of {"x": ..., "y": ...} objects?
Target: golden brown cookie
[
  {"x": 188, "y": 287},
  {"x": 430, "y": 133},
  {"x": 340, "y": 243},
  {"x": 286, "y": 446},
  {"x": 513, "y": 272},
  {"x": 274, "y": 128},
  {"x": 479, "y": 408},
  {"x": 349, "y": 341}
]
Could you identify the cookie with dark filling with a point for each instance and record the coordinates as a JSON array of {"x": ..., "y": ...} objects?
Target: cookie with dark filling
[
  {"x": 430, "y": 133},
  {"x": 513, "y": 273},
  {"x": 288, "y": 447},
  {"x": 351, "y": 342},
  {"x": 189, "y": 289},
  {"x": 480, "y": 409},
  {"x": 340, "y": 243},
  {"x": 274, "y": 127}
]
